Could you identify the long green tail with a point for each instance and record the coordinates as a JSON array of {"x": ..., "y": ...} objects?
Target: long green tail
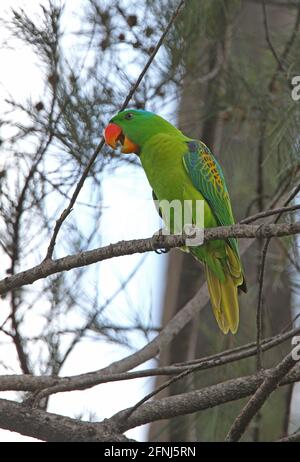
[{"x": 224, "y": 293}]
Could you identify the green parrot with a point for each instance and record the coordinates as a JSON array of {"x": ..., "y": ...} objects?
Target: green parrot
[{"x": 184, "y": 169}]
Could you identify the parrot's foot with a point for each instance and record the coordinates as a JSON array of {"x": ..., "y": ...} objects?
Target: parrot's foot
[{"x": 155, "y": 245}]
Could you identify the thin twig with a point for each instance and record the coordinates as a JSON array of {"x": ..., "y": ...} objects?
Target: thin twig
[
  {"x": 288, "y": 46},
  {"x": 255, "y": 403},
  {"x": 268, "y": 213},
  {"x": 261, "y": 281},
  {"x": 268, "y": 38}
]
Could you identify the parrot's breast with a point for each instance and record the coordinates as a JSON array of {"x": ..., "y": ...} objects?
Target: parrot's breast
[{"x": 162, "y": 160}]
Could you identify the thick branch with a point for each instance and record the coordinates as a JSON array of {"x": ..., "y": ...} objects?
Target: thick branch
[
  {"x": 48, "y": 267},
  {"x": 52, "y": 427},
  {"x": 197, "y": 400}
]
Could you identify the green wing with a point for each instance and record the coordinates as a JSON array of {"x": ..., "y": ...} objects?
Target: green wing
[{"x": 208, "y": 178}]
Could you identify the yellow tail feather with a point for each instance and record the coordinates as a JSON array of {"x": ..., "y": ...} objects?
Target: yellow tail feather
[
  {"x": 224, "y": 300},
  {"x": 234, "y": 266}
]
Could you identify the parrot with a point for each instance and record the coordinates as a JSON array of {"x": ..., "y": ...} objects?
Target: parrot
[{"x": 182, "y": 168}]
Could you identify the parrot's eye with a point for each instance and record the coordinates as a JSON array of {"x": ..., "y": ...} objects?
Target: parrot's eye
[{"x": 128, "y": 116}]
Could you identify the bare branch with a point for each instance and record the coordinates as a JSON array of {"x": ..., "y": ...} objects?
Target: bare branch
[
  {"x": 52, "y": 427},
  {"x": 200, "y": 365},
  {"x": 258, "y": 399},
  {"x": 198, "y": 400},
  {"x": 51, "y": 385},
  {"x": 48, "y": 267},
  {"x": 268, "y": 213},
  {"x": 261, "y": 280}
]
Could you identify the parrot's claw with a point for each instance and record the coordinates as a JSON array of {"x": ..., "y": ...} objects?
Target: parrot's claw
[{"x": 155, "y": 245}]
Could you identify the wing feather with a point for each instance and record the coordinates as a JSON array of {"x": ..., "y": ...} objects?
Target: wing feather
[{"x": 207, "y": 176}]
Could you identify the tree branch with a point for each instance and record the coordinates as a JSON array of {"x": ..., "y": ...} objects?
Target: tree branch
[
  {"x": 267, "y": 213},
  {"x": 198, "y": 400},
  {"x": 53, "y": 427},
  {"x": 269, "y": 384},
  {"x": 48, "y": 267},
  {"x": 293, "y": 438},
  {"x": 50, "y": 385},
  {"x": 259, "y": 311}
]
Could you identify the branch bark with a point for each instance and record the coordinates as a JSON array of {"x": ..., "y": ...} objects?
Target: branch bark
[
  {"x": 52, "y": 385},
  {"x": 48, "y": 267},
  {"x": 197, "y": 400},
  {"x": 259, "y": 398},
  {"x": 293, "y": 438},
  {"x": 53, "y": 427}
]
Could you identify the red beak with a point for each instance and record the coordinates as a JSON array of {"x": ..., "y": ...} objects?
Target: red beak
[{"x": 114, "y": 134}]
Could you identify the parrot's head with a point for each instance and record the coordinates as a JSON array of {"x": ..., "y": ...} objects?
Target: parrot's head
[{"x": 132, "y": 129}]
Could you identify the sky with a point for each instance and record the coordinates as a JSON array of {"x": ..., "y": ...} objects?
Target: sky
[{"x": 21, "y": 77}]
